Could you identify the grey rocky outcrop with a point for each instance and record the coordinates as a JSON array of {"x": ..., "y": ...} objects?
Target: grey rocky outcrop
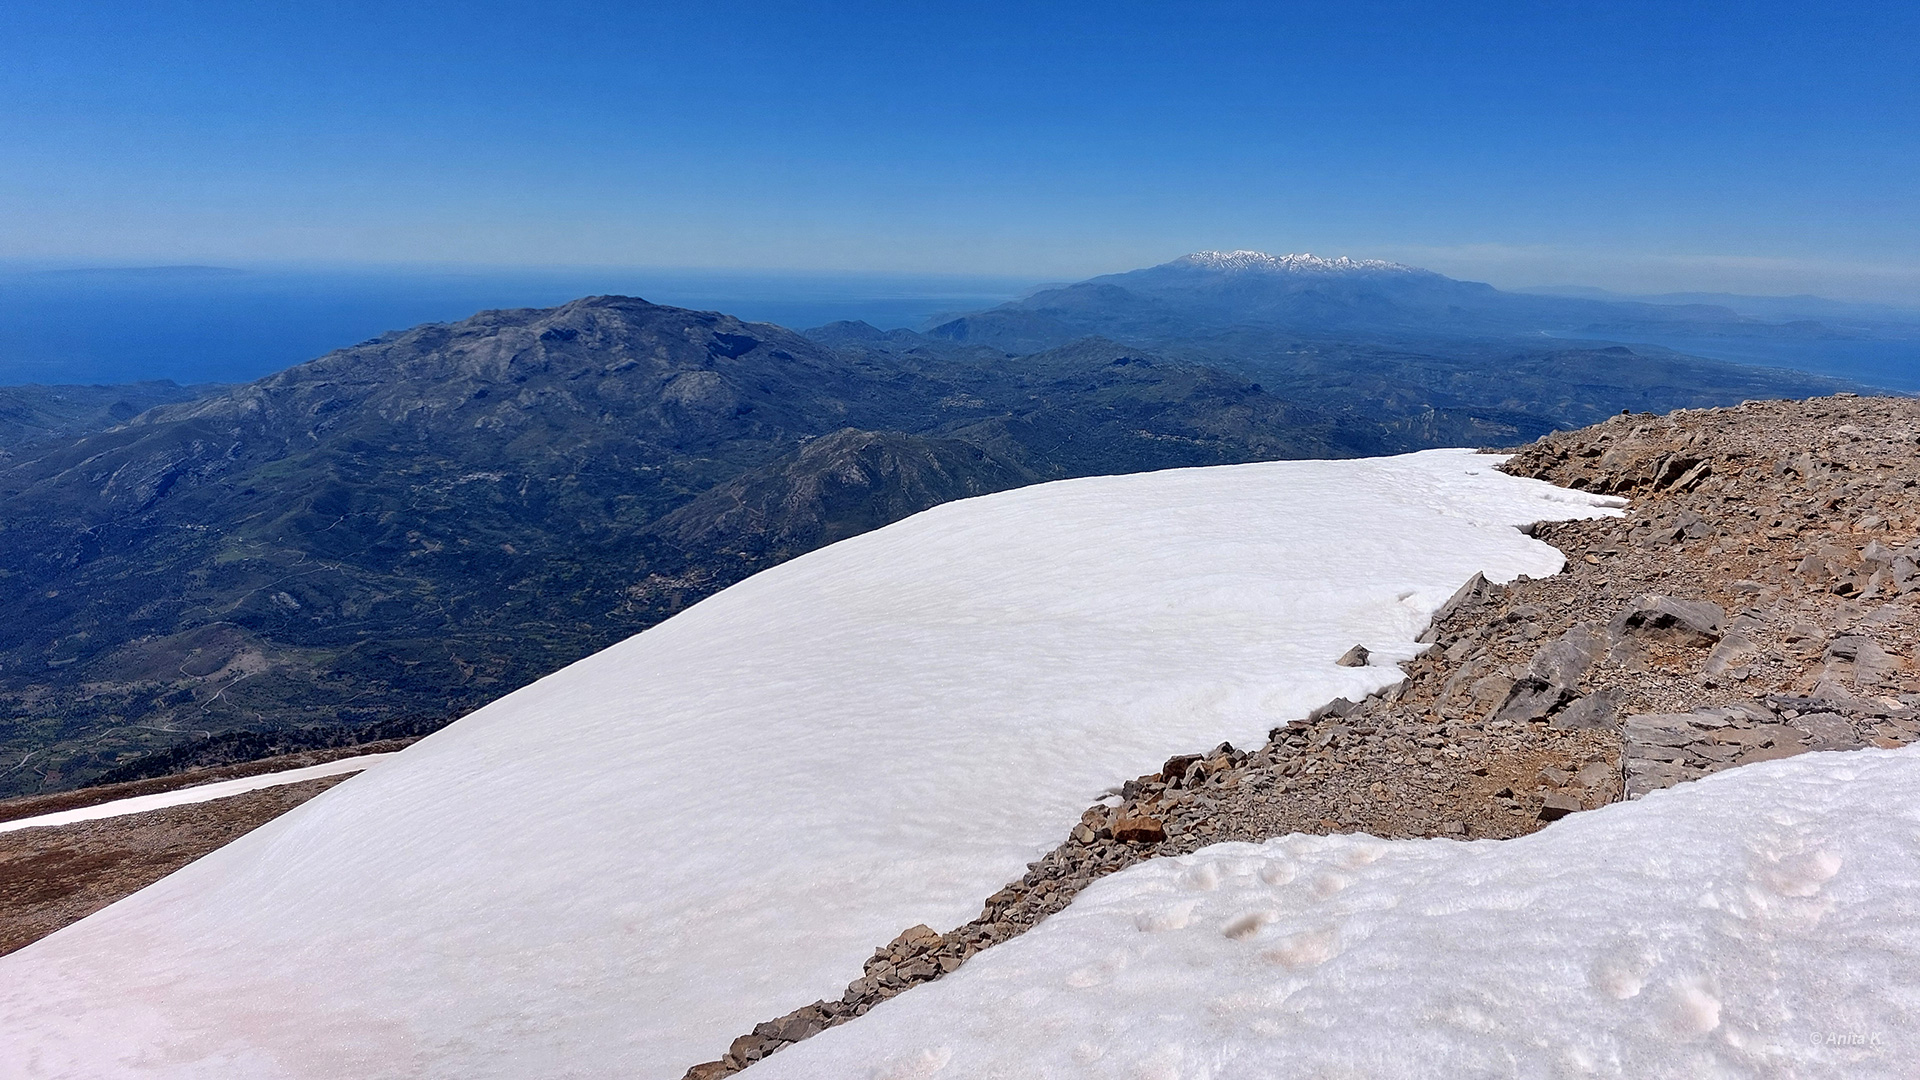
[
  {"x": 1567, "y": 659},
  {"x": 1664, "y": 618},
  {"x": 1596, "y": 711}
]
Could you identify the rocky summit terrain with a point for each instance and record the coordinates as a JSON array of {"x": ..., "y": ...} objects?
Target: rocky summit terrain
[{"x": 1759, "y": 599}]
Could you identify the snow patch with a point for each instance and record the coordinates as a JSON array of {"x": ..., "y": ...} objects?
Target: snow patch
[
  {"x": 1764, "y": 921},
  {"x": 1261, "y": 262}
]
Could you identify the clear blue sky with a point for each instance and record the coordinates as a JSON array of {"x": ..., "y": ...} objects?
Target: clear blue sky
[{"x": 1752, "y": 146}]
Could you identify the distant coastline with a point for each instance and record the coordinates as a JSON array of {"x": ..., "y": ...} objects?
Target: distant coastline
[{"x": 198, "y": 324}]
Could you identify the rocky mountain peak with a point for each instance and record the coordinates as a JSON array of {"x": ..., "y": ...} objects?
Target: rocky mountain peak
[{"x": 597, "y": 354}]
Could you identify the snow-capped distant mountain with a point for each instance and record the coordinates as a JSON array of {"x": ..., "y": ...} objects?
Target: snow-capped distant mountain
[
  {"x": 1206, "y": 293},
  {"x": 1260, "y": 262},
  {"x": 618, "y": 869}
]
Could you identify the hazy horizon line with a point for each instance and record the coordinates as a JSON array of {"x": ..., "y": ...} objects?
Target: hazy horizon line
[{"x": 988, "y": 282}]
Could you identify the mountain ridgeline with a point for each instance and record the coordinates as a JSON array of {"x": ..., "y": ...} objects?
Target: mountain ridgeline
[
  {"x": 1313, "y": 298},
  {"x": 391, "y": 535}
]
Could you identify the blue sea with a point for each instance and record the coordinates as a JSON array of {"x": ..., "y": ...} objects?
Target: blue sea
[
  {"x": 1886, "y": 363},
  {"x": 197, "y": 324}
]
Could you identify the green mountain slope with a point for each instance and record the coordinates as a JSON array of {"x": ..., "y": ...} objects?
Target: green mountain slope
[{"x": 33, "y": 413}]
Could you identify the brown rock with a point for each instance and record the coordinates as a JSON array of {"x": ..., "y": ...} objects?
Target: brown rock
[
  {"x": 746, "y": 1048},
  {"x": 1337, "y": 707},
  {"x": 1139, "y": 829},
  {"x": 1558, "y": 804},
  {"x": 1478, "y": 590},
  {"x": 1732, "y": 651},
  {"x": 1176, "y": 766},
  {"x": 1594, "y": 774},
  {"x": 1489, "y": 691},
  {"x": 1770, "y": 753},
  {"x": 916, "y": 939}
]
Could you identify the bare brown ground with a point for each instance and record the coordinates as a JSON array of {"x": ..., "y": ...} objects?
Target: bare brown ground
[{"x": 57, "y": 875}]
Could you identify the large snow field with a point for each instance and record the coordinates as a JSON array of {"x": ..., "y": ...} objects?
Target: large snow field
[
  {"x": 1762, "y": 922},
  {"x": 618, "y": 869}
]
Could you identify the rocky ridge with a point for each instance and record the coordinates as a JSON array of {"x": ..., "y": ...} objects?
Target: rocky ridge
[{"x": 1758, "y": 600}]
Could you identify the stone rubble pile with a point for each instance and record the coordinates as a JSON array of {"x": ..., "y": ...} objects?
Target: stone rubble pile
[
  {"x": 1757, "y": 601},
  {"x": 1797, "y": 537}
]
